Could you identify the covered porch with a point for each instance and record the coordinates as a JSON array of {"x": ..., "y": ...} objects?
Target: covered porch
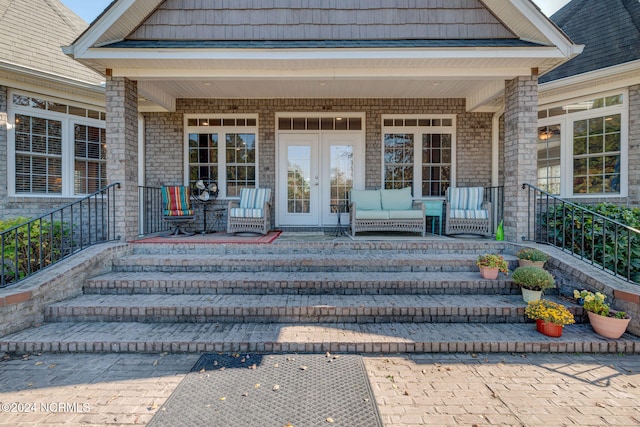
[{"x": 312, "y": 114}]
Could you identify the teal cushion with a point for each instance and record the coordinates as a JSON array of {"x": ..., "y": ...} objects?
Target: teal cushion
[
  {"x": 371, "y": 214},
  {"x": 366, "y": 200},
  {"x": 405, "y": 214},
  {"x": 396, "y": 199}
]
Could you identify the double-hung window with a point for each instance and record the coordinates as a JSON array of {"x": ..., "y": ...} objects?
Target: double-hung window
[
  {"x": 418, "y": 152},
  {"x": 57, "y": 148},
  {"x": 582, "y": 147},
  {"x": 223, "y": 149}
]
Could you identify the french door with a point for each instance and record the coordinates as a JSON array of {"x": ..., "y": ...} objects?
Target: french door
[{"x": 316, "y": 170}]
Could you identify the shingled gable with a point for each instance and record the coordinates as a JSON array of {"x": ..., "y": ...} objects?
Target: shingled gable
[
  {"x": 609, "y": 30},
  {"x": 415, "y": 43},
  {"x": 32, "y": 41}
]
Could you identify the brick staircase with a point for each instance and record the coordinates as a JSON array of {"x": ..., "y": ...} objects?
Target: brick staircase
[{"x": 365, "y": 297}]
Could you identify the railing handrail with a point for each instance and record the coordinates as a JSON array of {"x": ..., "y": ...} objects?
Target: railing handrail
[
  {"x": 47, "y": 239},
  {"x": 56, "y": 210},
  {"x": 575, "y": 205}
]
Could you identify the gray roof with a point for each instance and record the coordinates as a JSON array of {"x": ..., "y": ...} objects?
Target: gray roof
[
  {"x": 33, "y": 32},
  {"x": 609, "y": 29},
  {"x": 314, "y": 44}
]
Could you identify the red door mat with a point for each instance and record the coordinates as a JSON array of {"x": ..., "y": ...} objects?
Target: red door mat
[{"x": 218, "y": 237}]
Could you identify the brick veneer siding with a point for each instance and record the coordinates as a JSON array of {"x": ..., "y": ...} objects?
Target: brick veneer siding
[
  {"x": 634, "y": 145},
  {"x": 164, "y": 133},
  {"x": 520, "y": 152},
  {"x": 3, "y": 147},
  {"x": 122, "y": 152}
]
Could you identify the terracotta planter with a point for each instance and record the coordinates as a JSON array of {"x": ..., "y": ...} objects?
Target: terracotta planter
[
  {"x": 529, "y": 295},
  {"x": 608, "y": 327},
  {"x": 489, "y": 273},
  {"x": 548, "y": 329},
  {"x": 527, "y": 263}
]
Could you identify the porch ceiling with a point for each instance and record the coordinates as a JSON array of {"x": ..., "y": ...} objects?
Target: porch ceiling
[{"x": 478, "y": 80}]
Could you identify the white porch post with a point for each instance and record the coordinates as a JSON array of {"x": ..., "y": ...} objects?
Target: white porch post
[
  {"x": 520, "y": 152},
  {"x": 122, "y": 152}
]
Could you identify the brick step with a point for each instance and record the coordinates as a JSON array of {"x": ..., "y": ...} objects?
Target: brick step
[
  {"x": 294, "y": 308},
  {"x": 299, "y": 283},
  {"x": 436, "y": 246},
  {"x": 126, "y": 337},
  {"x": 355, "y": 262}
]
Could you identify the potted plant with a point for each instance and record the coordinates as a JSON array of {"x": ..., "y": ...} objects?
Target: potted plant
[
  {"x": 531, "y": 257},
  {"x": 533, "y": 281},
  {"x": 550, "y": 317},
  {"x": 491, "y": 264},
  {"x": 605, "y": 321}
]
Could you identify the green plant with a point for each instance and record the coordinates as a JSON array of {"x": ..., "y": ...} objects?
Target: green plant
[
  {"x": 589, "y": 236},
  {"x": 29, "y": 247},
  {"x": 594, "y": 302},
  {"x": 493, "y": 261},
  {"x": 532, "y": 254},
  {"x": 549, "y": 312},
  {"x": 533, "y": 278}
]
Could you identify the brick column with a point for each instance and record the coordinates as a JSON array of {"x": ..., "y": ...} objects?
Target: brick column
[
  {"x": 4, "y": 145},
  {"x": 122, "y": 152},
  {"x": 634, "y": 146},
  {"x": 520, "y": 152}
]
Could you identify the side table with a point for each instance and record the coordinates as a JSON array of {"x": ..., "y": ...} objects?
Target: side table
[
  {"x": 339, "y": 209},
  {"x": 433, "y": 209},
  {"x": 205, "y": 213}
]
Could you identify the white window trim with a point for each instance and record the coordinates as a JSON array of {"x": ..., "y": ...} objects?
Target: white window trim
[
  {"x": 417, "y": 146},
  {"x": 566, "y": 141},
  {"x": 222, "y": 159},
  {"x": 68, "y": 146}
]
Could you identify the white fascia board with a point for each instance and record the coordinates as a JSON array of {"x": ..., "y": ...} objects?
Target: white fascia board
[
  {"x": 104, "y": 53},
  {"x": 547, "y": 29},
  {"x": 487, "y": 92},
  {"x": 51, "y": 78},
  {"x": 325, "y": 73},
  {"x": 97, "y": 30}
]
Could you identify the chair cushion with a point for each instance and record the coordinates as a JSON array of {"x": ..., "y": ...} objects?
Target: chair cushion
[
  {"x": 396, "y": 199},
  {"x": 176, "y": 198},
  {"x": 254, "y": 198},
  {"x": 177, "y": 213},
  {"x": 469, "y": 213},
  {"x": 371, "y": 214},
  {"x": 465, "y": 198},
  {"x": 245, "y": 213},
  {"x": 405, "y": 214},
  {"x": 366, "y": 200}
]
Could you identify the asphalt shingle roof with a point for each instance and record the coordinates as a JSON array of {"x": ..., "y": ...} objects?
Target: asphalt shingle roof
[
  {"x": 32, "y": 33},
  {"x": 609, "y": 29}
]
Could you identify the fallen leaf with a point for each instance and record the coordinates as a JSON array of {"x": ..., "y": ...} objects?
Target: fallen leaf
[
  {"x": 154, "y": 405},
  {"x": 38, "y": 363},
  {"x": 223, "y": 398},
  {"x": 257, "y": 385},
  {"x": 474, "y": 355},
  {"x": 303, "y": 368},
  {"x": 424, "y": 372},
  {"x": 155, "y": 362},
  {"x": 215, "y": 363},
  {"x": 328, "y": 354},
  {"x": 53, "y": 365},
  {"x": 245, "y": 394},
  {"x": 330, "y": 420},
  {"x": 252, "y": 366},
  {"x": 29, "y": 384},
  {"x": 275, "y": 365},
  {"x": 394, "y": 386},
  {"x": 288, "y": 425},
  {"x": 202, "y": 371},
  {"x": 406, "y": 393},
  {"x": 242, "y": 360},
  {"x": 276, "y": 387},
  {"x": 163, "y": 354}
]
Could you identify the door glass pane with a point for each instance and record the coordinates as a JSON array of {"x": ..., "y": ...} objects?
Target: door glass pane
[
  {"x": 341, "y": 170},
  {"x": 549, "y": 158},
  {"x": 298, "y": 179}
]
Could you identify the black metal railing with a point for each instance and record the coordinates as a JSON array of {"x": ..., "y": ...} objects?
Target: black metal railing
[
  {"x": 41, "y": 242},
  {"x": 604, "y": 242},
  {"x": 151, "y": 211}
]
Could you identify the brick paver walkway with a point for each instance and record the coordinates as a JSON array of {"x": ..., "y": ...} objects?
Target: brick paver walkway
[{"x": 416, "y": 390}]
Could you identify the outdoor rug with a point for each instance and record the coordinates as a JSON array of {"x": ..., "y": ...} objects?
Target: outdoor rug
[
  {"x": 394, "y": 236},
  {"x": 217, "y": 237},
  {"x": 278, "y": 390}
]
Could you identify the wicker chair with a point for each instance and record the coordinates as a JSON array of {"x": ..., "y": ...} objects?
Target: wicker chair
[
  {"x": 176, "y": 201},
  {"x": 466, "y": 211},
  {"x": 252, "y": 213}
]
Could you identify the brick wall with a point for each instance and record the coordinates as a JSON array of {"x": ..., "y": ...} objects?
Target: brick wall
[
  {"x": 3, "y": 146},
  {"x": 165, "y": 135},
  {"x": 520, "y": 152},
  {"x": 122, "y": 155}
]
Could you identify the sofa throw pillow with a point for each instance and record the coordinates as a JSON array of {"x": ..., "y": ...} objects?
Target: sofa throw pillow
[
  {"x": 396, "y": 199},
  {"x": 366, "y": 200}
]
